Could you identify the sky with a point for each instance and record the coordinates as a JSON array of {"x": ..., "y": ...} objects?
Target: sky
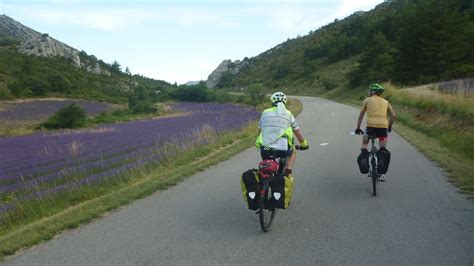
[{"x": 181, "y": 40}]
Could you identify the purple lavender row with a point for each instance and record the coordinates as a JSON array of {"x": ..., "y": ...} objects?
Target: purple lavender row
[
  {"x": 224, "y": 122},
  {"x": 140, "y": 142},
  {"x": 21, "y": 166},
  {"x": 52, "y": 142},
  {"x": 221, "y": 122},
  {"x": 117, "y": 171},
  {"x": 156, "y": 156},
  {"x": 96, "y": 178},
  {"x": 105, "y": 162},
  {"x": 82, "y": 166},
  {"x": 187, "y": 106}
]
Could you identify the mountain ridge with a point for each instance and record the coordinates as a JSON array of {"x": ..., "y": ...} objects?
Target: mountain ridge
[
  {"x": 33, "y": 64},
  {"x": 41, "y": 44}
]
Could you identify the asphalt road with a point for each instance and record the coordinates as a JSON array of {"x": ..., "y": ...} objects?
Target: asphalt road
[{"x": 417, "y": 218}]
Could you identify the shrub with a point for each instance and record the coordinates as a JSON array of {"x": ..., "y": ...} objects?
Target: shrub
[
  {"x": 141, "y": 101},
  {"x": 140, "y": 105},
  {"x": 255, "y": 94},
  {"x": 71, "y": 116}
]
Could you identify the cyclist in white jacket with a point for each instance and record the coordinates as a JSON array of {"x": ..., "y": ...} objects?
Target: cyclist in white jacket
[{"x": 278, "y": 127}]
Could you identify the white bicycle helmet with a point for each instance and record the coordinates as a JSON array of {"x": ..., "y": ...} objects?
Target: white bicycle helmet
[{"x": 278, "y": 97}]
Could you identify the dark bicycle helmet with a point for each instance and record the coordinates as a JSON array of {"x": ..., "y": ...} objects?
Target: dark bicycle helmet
[{"x": 377, "y": 88}]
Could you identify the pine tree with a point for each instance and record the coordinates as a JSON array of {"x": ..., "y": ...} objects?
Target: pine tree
[
  {"x": 376, "y": 64},
  {"x": 436, "y": 42}
]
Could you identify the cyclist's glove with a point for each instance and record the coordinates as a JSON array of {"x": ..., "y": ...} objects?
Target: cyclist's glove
[
  {"x": 359, "y": 131},
  {"x": 304, "y": 145}
]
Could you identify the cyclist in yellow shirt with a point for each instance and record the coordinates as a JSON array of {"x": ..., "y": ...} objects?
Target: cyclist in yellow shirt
[{"x": 378, "y": 124}]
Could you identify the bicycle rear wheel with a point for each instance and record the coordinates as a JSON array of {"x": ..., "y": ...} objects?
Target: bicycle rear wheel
[{"x": 266, "y": 215}]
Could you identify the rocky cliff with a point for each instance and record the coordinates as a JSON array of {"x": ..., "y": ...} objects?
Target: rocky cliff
[
  {"x": 227, "y": 67},
  {"x": 41, "y": 44}
]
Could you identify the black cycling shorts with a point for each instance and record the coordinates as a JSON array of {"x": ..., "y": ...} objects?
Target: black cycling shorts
[
  {"x": 271, "y": 153},
  {"x": 378, "y": 132}
]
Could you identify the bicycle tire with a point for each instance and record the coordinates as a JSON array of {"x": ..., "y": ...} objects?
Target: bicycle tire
[
  {"x": 374, "y": 185},
  {"x": 266, "y": 216},
  {"x": 374, "y": 175}
]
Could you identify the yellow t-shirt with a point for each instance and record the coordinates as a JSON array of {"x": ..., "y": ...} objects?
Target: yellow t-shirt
[{"x": 376, "y": 108}]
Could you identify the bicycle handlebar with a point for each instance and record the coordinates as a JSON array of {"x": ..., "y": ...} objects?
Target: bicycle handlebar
[{"x": 364, "y": 133}]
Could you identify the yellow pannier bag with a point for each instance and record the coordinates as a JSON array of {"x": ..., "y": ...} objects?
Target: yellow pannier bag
[{"x": 282, "y": 191}]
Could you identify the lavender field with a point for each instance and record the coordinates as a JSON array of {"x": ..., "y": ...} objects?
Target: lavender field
[
  {"x": 461, "y": 87},
  {"x": 42, "y": 109},
  {"x": 39, "y": 165}
]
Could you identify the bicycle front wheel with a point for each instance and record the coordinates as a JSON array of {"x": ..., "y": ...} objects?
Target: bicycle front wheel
[
  {"x": 374, "y": 175},
  {"x": 266, "y": 215},
  {"x": 374, "y": 184}
]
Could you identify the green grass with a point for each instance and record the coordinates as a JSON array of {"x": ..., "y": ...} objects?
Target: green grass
[
  {"x": 459, "y": 169},
  {"x": 41, "y": 219},
  {"x": 457, "y": 138},
  {"x": 125, "y": 115},
  {"x": 10, "y": 129}
]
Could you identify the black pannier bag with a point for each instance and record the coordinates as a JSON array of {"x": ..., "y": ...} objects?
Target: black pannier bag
[
  {"x": 249, "y": 183},
  {"x": 282, "y": 191},
  {"x": 383, "y": 160},
  {"x": 363, "y": 162}
]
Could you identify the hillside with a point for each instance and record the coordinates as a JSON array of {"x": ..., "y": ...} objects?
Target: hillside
[
  {"x": 33, "y": 64},
  {"x": 407, "y": 42}
]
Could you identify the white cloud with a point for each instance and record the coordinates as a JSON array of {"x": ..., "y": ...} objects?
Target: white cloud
[
  {"x": 348, "y": 7},
  {"x": 295, "y": 19}
]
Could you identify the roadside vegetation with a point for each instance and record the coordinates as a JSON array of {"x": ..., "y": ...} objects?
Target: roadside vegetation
[{"x": 447, "y": 120}]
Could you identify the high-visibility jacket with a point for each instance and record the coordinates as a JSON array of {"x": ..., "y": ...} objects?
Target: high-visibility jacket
[{"x": 276, "y": 129}]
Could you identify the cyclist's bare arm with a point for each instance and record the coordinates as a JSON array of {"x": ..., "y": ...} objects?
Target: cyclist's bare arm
[
  {"x": 361, "y": 116},
  {"x": 393, "y": 116},
  {"x": 298, "y": 135}
]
